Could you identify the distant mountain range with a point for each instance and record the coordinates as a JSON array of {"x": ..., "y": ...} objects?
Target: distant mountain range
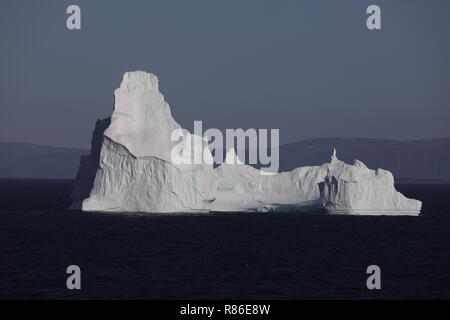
[
  {"x": 409, "y": 161},
  {"x": 25, "y": 160}
]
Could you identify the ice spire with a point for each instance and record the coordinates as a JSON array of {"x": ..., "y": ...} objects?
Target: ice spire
[{"x": 333, "y": 156}]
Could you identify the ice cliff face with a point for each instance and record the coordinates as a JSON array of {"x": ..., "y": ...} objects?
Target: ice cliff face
[
  {"x": 355, "y": 188},
  {"x": 127, "y": 183},
  {"x": 131, "y": 168}
]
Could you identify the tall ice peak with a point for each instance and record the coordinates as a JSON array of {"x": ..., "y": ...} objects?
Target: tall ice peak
[
  {"x": 139, "y": 79},
  {"x": 142, "y": 121}
]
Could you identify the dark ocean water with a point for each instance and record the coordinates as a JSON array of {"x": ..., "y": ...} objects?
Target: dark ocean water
[{"x": 214, "y": 256}]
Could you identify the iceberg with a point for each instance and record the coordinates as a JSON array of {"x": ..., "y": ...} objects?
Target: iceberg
[
  {"x": 356, "y": 188},
  {"x": 336, "y": 187},
  {"x": 131, "y": 169}
]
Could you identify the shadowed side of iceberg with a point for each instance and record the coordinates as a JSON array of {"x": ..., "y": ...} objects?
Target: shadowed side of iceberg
[{"x": 87, "y": 168}]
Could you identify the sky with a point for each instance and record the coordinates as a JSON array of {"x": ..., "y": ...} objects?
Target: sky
[{"x": 310, "y": 68}]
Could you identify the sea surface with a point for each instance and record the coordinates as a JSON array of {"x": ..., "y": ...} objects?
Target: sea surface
[{"x": 218, "y": 256}]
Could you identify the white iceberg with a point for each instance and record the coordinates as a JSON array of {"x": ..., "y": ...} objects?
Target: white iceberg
[
  {"x": 336, "y": 186},
  {"x": 131, "y": 168},
  {"x": 358, "y": 189},
  {"x": 134, "y": 171}
]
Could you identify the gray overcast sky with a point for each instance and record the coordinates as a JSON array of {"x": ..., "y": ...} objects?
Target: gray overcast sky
[{"x": 310, "y": 68}]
